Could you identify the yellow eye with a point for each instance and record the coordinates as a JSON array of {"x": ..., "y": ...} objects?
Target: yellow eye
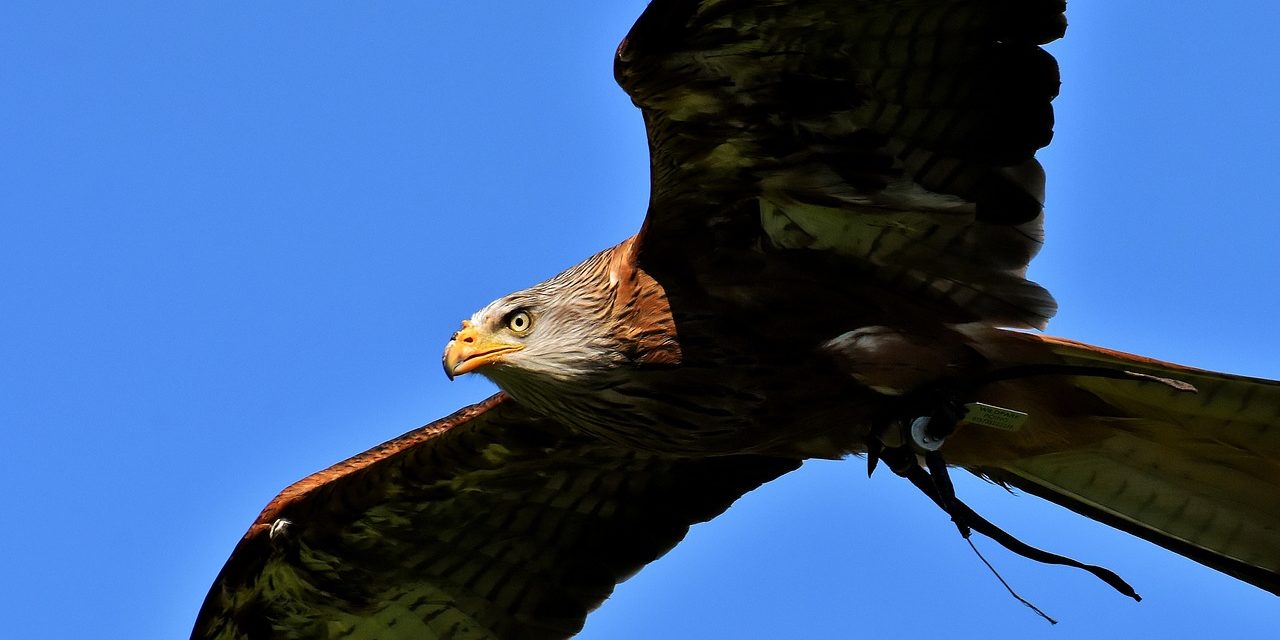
[{"x": 520, "y": 322}]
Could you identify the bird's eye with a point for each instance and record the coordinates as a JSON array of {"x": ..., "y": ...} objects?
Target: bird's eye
[{"x": 520, "y": 321}]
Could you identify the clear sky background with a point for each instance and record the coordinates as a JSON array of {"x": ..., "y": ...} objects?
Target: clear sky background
[{"x": 234, "y": 237}]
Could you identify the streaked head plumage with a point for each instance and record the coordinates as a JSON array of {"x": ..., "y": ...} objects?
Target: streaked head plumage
[{"x": 557, "y": 330}]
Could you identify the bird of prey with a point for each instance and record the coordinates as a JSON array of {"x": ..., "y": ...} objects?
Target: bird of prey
[{"x": 844, "y": 202}]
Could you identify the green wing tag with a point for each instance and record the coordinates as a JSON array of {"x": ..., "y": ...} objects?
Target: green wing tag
[{"x": 989, "y": 415}]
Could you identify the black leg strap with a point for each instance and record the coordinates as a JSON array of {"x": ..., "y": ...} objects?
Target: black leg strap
[{"x": 937, "y": 485}]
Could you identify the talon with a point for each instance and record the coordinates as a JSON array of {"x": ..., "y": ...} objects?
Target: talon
[{"x": 874, "y": 447}]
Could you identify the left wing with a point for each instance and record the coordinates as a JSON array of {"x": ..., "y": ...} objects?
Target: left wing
[
  {"x": 490, "y": 523},
  {"x": 899, "y": 136}
]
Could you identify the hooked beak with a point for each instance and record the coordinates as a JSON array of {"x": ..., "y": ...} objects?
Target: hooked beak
[{"x": 470, "y": 349}]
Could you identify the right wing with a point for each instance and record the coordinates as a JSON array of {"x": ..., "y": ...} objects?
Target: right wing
[
  {"x": 899, "y": 136},
  {"x": 491, "y": 523}
]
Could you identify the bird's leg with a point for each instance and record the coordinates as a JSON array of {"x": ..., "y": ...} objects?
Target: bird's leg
[
  {"x": 920, "y": 420},
  {"x": 910, "y": 440},
  {"x": 918, "y": 369}
]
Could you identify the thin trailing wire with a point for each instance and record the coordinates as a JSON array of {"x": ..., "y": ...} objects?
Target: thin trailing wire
[{"x": 1008, "y": 588}]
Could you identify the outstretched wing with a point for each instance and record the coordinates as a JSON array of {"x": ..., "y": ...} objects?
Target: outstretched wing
[
  {"x": 490, "y": 523},
  {"x": 900, "y": 135},
  {"x": 897, "y": 137}
]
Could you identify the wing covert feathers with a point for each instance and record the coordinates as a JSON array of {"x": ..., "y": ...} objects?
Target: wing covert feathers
[
  {"x": 900, "y": 135},
  {"x": 1197, "y": 473},
  {"x": 490, "y": 523}
]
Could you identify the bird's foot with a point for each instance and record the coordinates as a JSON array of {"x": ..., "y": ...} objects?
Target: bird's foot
[{"x": 916, "y": 425}]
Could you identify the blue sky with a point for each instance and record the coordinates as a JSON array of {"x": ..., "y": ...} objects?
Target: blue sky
[{"x": 235, "y": 237}]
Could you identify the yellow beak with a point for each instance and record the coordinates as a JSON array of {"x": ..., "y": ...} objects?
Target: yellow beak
[{"x": 471, "y": 348}]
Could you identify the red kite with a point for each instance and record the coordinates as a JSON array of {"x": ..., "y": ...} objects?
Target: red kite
[{"x": 845, "y": 199}]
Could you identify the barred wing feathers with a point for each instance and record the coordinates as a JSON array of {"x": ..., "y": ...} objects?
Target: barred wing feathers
[
  {"x": 900, "y": 135},
  {"x": 490, "y": 523}
]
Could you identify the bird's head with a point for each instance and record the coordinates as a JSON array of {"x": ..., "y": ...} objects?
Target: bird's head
[{"x": 553, "y": 331}]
